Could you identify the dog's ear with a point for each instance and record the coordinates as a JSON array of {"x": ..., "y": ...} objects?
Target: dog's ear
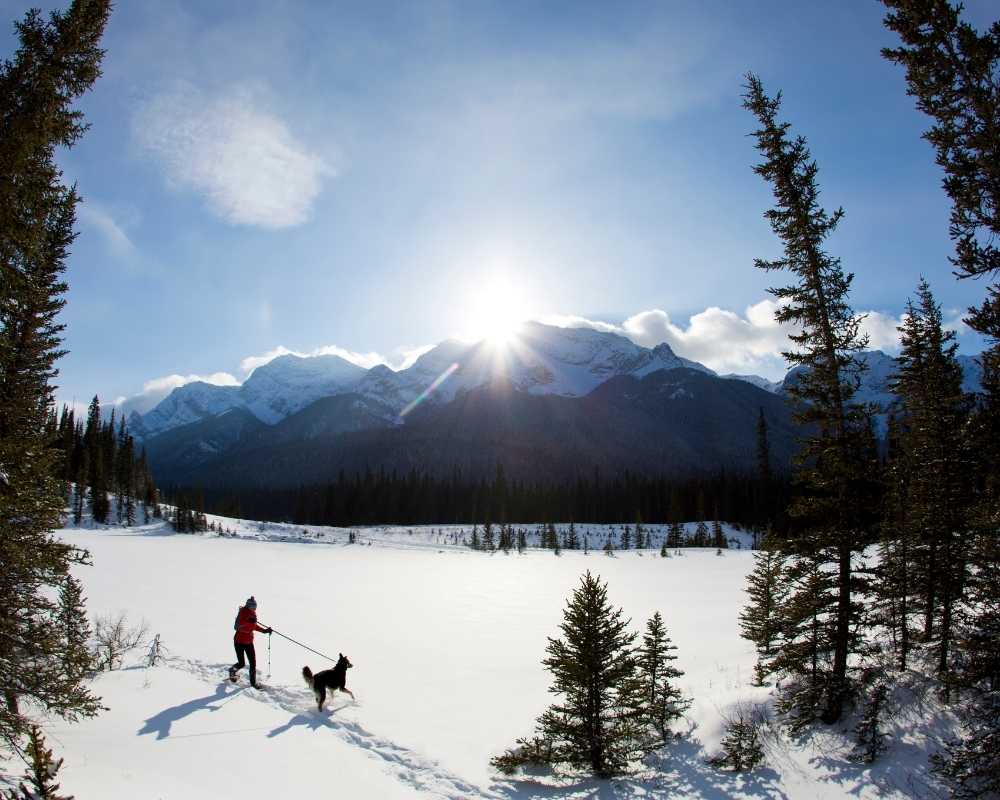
[{"x": 340, "y": 654}]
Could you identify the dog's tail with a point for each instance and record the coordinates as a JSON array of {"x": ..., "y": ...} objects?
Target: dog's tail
[{"x": 308, "y": 675}]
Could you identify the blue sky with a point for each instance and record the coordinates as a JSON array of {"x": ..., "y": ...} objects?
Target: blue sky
[{"x": 373, "y": 178}]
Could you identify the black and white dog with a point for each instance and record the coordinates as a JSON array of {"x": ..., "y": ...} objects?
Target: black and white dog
[{"x": 331, "y": 679}]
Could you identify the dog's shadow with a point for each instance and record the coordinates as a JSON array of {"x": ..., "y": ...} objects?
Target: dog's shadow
[
  {"x": 313, "y": 720},
  {"x": 161, "y": 723}
]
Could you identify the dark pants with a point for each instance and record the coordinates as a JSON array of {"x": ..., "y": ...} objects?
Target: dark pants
[{"x": 251, "y": 656}]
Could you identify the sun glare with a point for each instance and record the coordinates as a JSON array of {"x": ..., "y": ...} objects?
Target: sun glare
[{"x": 498, "y": 311}]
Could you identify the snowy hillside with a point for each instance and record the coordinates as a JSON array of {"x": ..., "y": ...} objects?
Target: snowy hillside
[{"x": 446, "y": 645}]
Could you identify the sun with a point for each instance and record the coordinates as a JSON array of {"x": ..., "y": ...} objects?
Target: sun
[{"x": 498, "y": 309}]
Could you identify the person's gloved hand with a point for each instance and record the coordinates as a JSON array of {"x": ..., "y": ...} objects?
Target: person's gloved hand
[{"x": 269, "y": 631}]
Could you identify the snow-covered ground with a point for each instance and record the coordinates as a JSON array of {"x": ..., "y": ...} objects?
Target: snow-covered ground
[{"x": 446, "y": 645}]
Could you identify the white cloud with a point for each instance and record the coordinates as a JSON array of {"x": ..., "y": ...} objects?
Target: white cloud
[
  {"x": 95, "y": 216},
  {"x": 720, "y": 339},
  {"x": 153, "y": 391},
  {"x": 246, "y": 162},
  {"x": 750, "y": 343},
  {"x": 882, "y": 330}
]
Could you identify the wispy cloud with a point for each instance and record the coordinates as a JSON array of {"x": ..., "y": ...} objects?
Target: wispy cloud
[
  {"x": 250, "y": 168},
  {"x": 155, "y": 390},
  {"x": 98, "y": 218}
]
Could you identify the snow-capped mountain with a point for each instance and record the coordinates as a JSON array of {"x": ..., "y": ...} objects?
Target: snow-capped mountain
[
  {"x": 757, "y": 380},
  {"x": 273, "y": 391},
  {"x": 290, "y": 383},
  {"x": 542, "y": 359},
  {"x": 539, "y": 360}
]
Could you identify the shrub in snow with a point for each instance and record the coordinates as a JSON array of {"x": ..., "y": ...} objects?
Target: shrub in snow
[
  {"x": 743, "y": 744},
  {"x": 870, "y": 738},
  {"x": 114, "y": 637},
  {"x": 970, "y": 765}
]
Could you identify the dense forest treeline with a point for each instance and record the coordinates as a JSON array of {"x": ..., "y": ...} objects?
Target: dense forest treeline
[
  {"x": 418, "y": 498},
  {"x": 101, "y": 469}
]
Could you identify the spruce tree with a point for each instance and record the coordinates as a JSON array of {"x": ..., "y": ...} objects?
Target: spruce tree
[
  {"x": 894, "y": 584},
  {"x": 928, "y": 383},
  {"x": 718, "y": 535},
  {"x": 834, "y": 471},
  {"x": 77, "y": 660},
  {"x": 700, "y": 534},
  {"x": 951, "y": 71},
  {"x": 675, "y": 536},
  {"x": 572, "y": 540},
  {"x": 805, "y": 647},
  {"x": 42, "y": 771},
  {"x": 664, "y": 702},
  {"x": 760, "y": 619},
  {"x": 57, "y": 60},
  {"x": 596, "y": 722}
]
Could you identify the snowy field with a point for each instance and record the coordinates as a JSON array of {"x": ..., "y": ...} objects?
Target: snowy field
[{"x": 446, "y": 645}]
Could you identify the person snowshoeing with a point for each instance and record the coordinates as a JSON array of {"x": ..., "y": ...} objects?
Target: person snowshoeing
[{"x": 246, "y": 624}]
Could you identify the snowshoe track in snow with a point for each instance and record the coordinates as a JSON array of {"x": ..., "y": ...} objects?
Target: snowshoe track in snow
[{"x": 408, "y": 766}]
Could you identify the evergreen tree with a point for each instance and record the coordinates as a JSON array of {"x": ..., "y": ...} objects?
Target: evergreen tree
[
  {"x": 80, "y": 495},
  {"x": 928, "y": 383},
  {"x": 42, "y": 771},
  {"x": 894, "y": 586},
  {"x": 760, "y": 619},
  {"x": 835, "y": 470},
  {"x": 718, "y": 535},
  {"x": 551, "y": 537},
  {"x": 805, "y": 645},
  {"x": 572, "y": 540},
  {"x": 700, "y": 534},
  {"x": 77, "y": 661},
  {"x": 597, "y": 719},
  {"x": 675, "y": 536},
  {"x": 951, "y": 71},
  {"x": 626, "y": 540},
  {"x": 489, "y": 544},
  {"x": 57, "y": 61},
  {"x": 474, "y": 542},
  {"x": 664, "y": 702}
]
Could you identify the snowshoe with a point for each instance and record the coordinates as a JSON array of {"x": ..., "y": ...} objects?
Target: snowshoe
[{"x": 232, "y": 675}]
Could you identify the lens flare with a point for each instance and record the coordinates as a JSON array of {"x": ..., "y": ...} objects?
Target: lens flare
[{"x": 429, "y": 390}]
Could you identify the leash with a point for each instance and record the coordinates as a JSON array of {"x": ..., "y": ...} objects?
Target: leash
[{"x": 294, "y": 641}]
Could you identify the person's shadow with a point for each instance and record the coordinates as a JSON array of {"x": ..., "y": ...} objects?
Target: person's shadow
[{"x": 160, "y": 723}]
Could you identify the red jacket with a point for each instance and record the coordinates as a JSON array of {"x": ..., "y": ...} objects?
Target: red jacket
[{"x": 246, "y": 624}]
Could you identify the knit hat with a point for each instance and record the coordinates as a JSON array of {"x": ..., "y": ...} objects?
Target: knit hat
[{"x": 251, "y": 603}]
